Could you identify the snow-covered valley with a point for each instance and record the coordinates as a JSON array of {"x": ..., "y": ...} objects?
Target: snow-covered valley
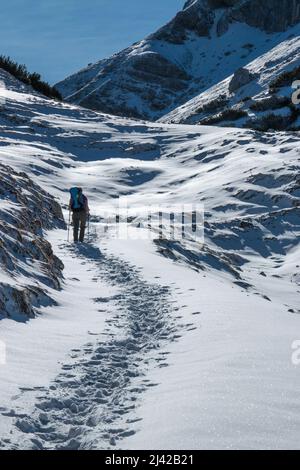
[{"x": 165, "y": 343}]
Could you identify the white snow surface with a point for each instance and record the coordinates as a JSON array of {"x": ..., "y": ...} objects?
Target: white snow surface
[{"x": 167, "y": 344}]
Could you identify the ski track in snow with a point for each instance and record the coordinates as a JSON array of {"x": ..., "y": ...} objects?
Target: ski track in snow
[{"x": 89, "y": 403}]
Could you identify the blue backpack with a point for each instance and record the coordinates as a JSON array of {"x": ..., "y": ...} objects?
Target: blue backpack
[{"x": 77, "y": 200}]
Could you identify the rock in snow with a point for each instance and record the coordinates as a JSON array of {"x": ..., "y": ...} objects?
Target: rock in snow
[{"x": 241, "y": 77}]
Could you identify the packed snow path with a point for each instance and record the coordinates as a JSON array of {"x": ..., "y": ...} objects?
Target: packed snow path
[{"x": 98, "y": 390}]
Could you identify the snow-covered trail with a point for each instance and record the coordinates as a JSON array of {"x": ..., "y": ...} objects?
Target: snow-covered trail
[
  {"x": 183, "y": 360},
  {"x": 89, "y": 402}
]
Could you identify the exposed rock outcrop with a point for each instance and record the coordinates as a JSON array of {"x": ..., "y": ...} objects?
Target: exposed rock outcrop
[
  {"x": 28, "y": 264},
  {"x": 269, "y": 15},
  {"x": 196, "y": 17},
  {"x": 240, "y": 78}
]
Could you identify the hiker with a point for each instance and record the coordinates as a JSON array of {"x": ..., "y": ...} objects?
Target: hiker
[{"x": 80, "y": 212}]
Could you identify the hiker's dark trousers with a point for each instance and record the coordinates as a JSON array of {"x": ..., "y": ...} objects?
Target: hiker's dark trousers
[{"x": 79, "y": 223}]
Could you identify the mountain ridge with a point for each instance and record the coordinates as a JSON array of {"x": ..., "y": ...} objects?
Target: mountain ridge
[{"x": 206, "y": 42}]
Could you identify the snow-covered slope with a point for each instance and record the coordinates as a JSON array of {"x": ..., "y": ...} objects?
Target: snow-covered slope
[
  {"x": 28, "y": 265},
  {"x": 258, "y": 96},
  {"x": 204, "y": 44},
  {"x": 168, "y": 344}
]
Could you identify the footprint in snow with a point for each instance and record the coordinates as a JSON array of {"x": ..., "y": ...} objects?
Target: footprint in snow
[{"x": 105, "y": 383}]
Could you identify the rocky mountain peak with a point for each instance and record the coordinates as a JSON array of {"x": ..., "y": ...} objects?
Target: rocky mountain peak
[{"x": 207, "y": 41}]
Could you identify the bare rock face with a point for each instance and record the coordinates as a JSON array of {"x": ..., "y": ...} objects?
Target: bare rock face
[
  {"x": 196, "y": 16},
  {"x": 269, "y": 15},
  {"x": 241, "y": 77},
  {"x": 154, "y": 64},
  {"x": 142, "y": 75},
  {"x": 222, "y": 3},
  {"x": 25, "y": 211},
  {"x": 199, "y": 15}
]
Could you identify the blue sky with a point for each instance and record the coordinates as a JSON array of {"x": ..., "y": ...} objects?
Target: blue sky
[{"x": 58, "y": 37}]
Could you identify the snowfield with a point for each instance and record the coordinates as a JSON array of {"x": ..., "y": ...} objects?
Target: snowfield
[{"x": 156, "y": 343}]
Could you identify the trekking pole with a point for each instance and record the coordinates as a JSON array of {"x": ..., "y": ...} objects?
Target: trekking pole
[
  {"x": 69, "y": 223},
  {"x": 89, "y": 227}
]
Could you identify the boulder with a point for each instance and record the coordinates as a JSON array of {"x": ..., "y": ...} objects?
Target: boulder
[{"x": 241, "y": 77}]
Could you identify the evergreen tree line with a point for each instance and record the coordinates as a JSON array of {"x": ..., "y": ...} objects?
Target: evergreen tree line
[{"x": 32, "y": 79}]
